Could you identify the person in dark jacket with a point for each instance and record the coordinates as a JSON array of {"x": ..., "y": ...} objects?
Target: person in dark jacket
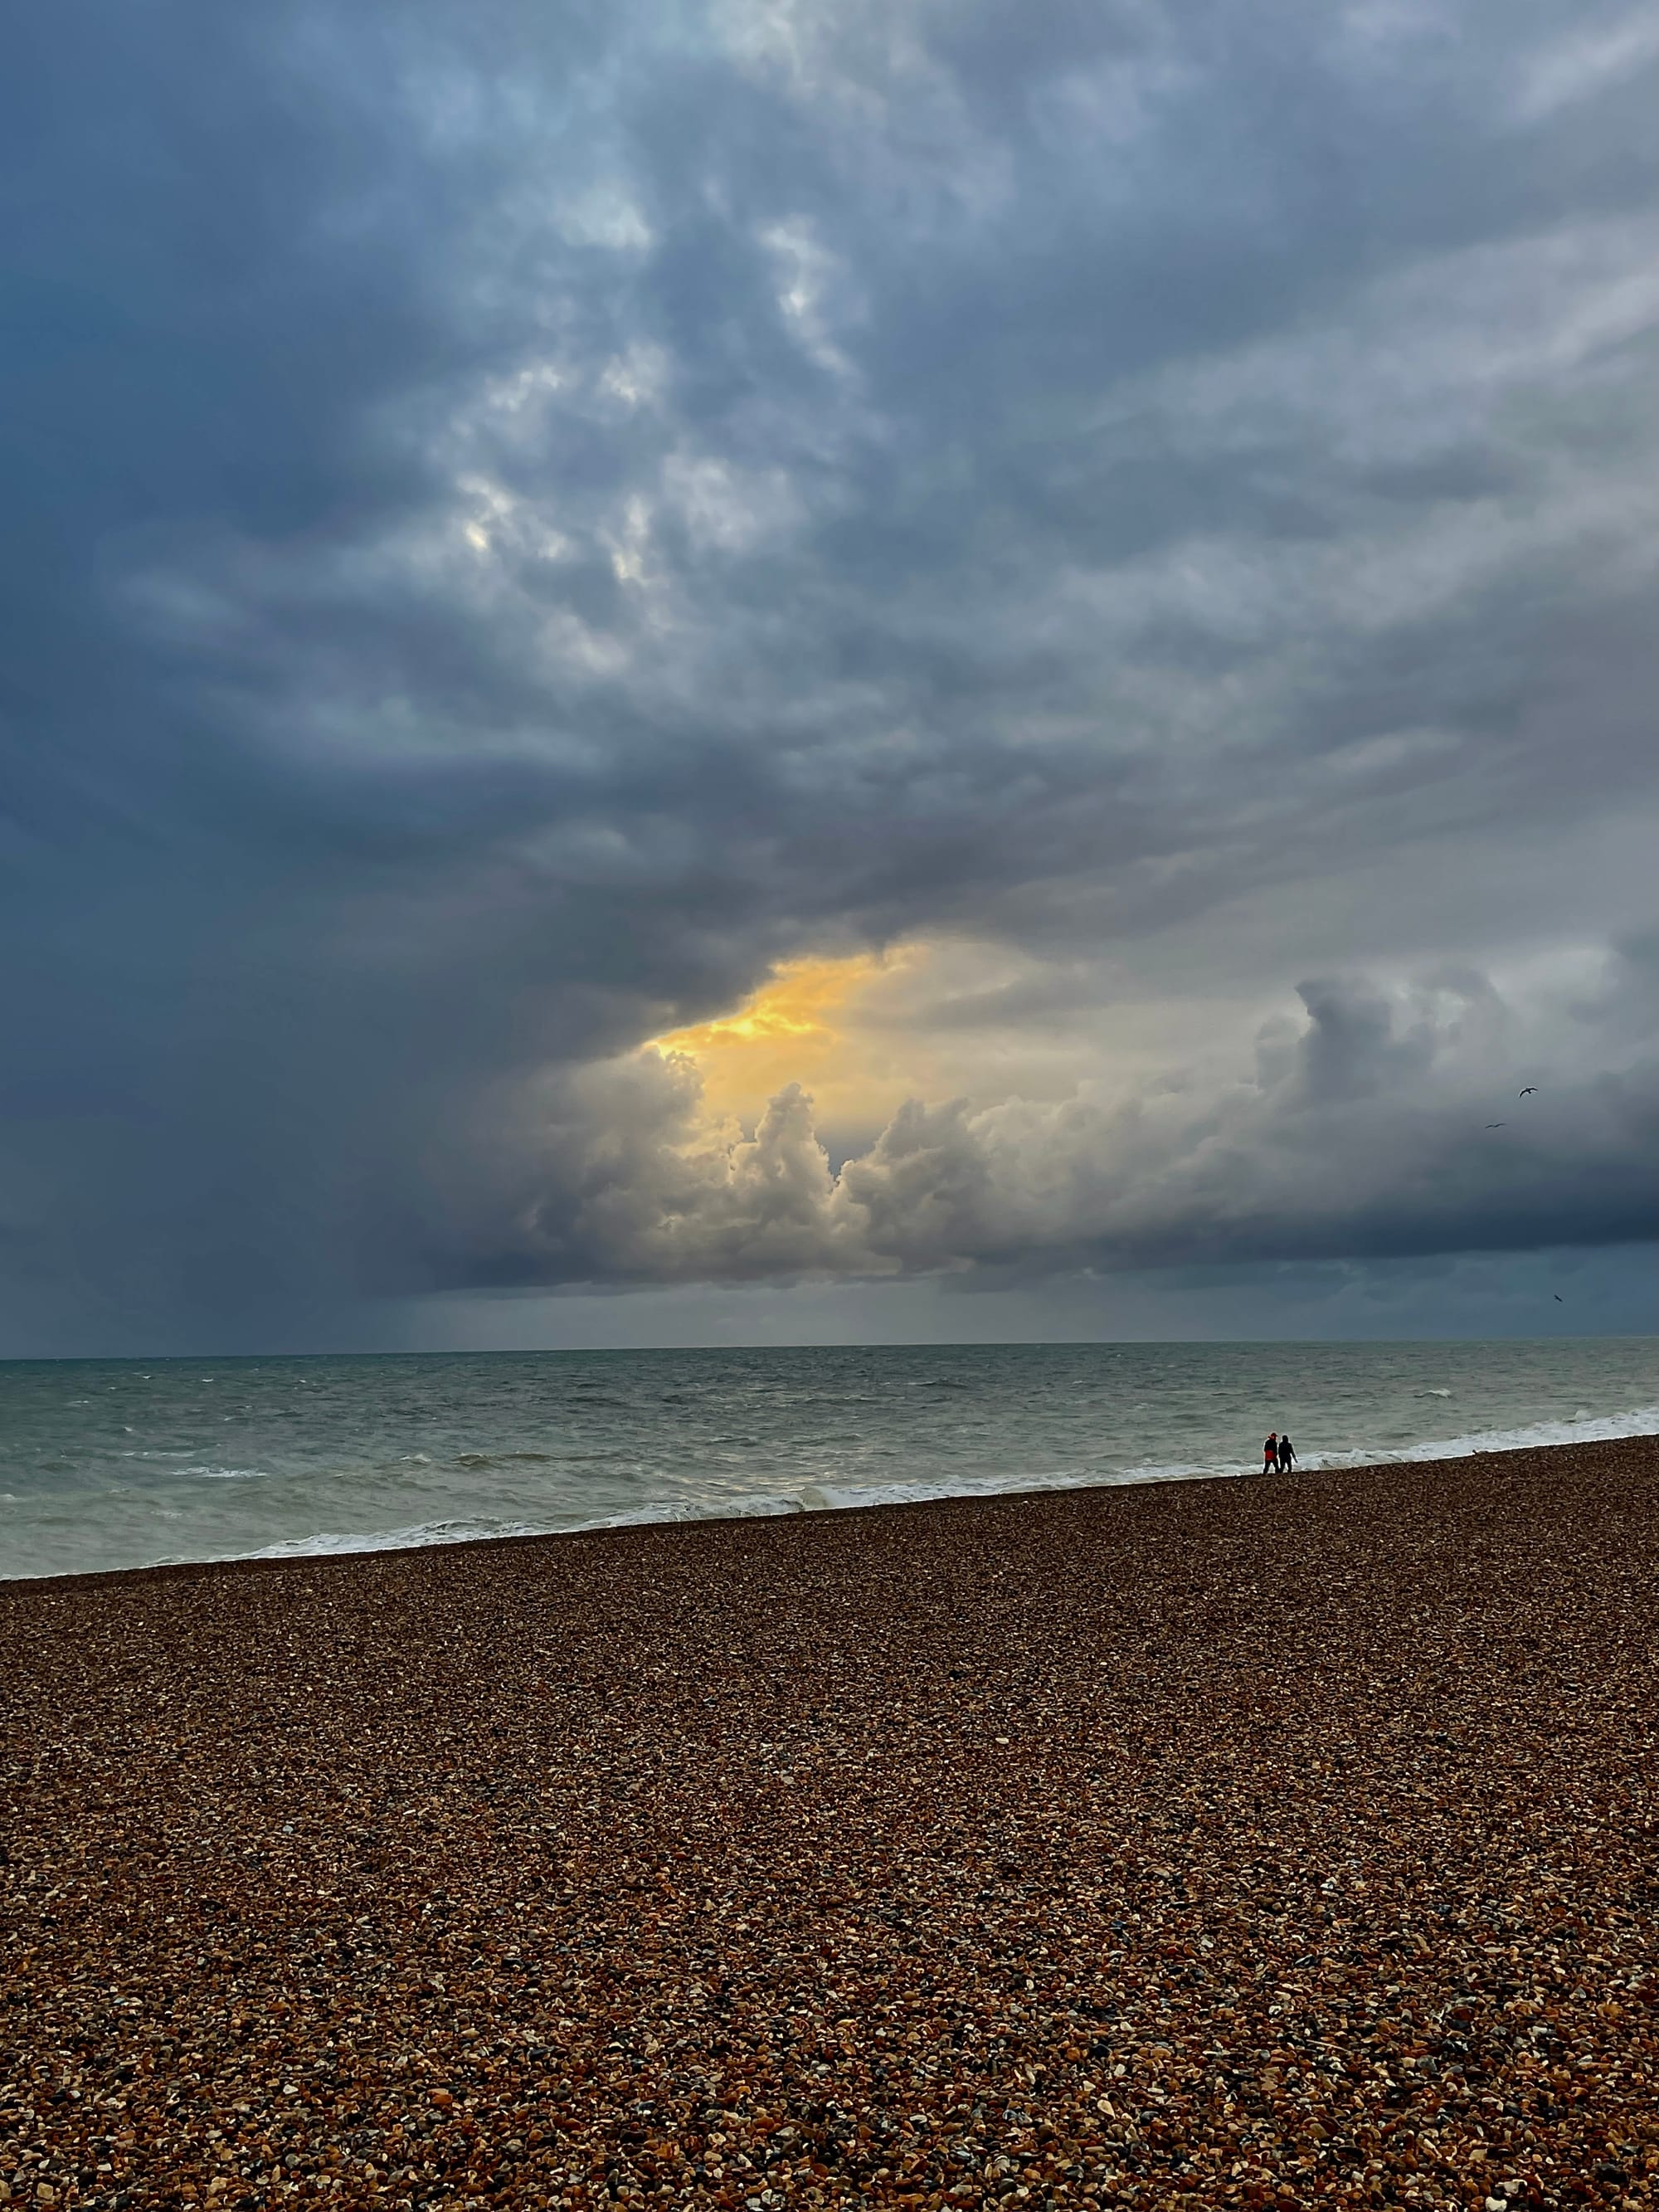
[
  {"x": 1270, "y": 1455},
  {"x": 1286, "y": 1457}
]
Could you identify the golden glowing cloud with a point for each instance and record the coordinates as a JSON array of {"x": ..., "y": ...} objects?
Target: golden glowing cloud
[
  {"x": 803, "y": 1026},
  {"x": 943, "y": 1018}
]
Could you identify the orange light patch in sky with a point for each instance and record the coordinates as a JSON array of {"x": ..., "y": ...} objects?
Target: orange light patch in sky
[{"x": 796, "y": 1028}]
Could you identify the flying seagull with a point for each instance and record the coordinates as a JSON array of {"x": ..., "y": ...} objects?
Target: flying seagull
[
  {"x": 1528, "y": 1092},
  {"x": 1497, "y": 1125},
  {"x": 1556, "y": 1296}
]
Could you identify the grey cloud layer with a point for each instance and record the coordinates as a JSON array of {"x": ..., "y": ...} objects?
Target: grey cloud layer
[
  {"x": 1367, "y": 1128},
  {"x": 518, "y": 525}
]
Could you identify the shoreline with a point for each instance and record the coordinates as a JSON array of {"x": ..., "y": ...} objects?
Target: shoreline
[
  {"x": 1279, "y": 1842},
  {"x": 1246, "y": 1477}
]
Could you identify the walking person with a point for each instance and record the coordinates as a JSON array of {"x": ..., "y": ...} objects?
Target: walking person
[
  {"x": 1286, "y": 1457},
  {"x": 1270, "y": 1455}
]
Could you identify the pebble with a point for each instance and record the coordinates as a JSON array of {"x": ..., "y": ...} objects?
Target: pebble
[{"x": 1258, "y": 1844}]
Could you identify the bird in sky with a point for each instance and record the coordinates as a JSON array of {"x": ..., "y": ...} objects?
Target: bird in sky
[
  {"x": 1556, "y": 1296},
  {"x": 1528, "y": 1092},
  {"x": 1497, "y": 1125}
]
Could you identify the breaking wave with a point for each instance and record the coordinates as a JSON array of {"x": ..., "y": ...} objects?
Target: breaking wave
[
  {"x": 333, "y": 1544},
  {"x": 832, "y": 1497}
]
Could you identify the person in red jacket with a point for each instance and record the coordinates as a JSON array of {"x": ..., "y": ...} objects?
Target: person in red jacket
[{"x": 1270, "y": 1455}]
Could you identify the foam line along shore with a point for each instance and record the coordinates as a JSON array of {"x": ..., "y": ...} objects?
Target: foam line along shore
[{"x": 1285, "y": 1842}]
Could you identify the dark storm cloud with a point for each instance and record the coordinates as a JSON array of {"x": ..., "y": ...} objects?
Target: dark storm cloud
[{"x": 517, "y": 522}]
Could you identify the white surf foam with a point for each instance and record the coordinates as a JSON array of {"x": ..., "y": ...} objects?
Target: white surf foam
[
  {"x": 1581, "y": 1428},
  {"x": 332, "y": 1543},
  {"x": 761, "y": 1506}
]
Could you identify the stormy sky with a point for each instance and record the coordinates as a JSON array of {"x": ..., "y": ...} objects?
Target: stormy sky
[{"x": 827, "y": 668}]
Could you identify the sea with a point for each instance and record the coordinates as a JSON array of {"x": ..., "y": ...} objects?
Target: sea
[{"x": 130, "y": 1463}]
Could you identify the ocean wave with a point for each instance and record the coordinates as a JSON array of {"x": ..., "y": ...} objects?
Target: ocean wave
[
  {"x": 759, "y": 1506},
  {"x": 334, "y": 1543},
  {"x": 1580, "y": 1428},
  {"x": 830, "y": 1496},
  {"x": 825, "y": 1491},
  {"x": 228, "y": 1473},
  {"x": 476, "y": 1459}
]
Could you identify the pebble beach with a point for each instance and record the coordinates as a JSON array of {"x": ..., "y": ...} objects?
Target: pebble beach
[{"x": 1286, "y": 1842}]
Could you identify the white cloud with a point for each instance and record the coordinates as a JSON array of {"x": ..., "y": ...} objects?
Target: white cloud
[{"x": 1584, "y": 62}]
